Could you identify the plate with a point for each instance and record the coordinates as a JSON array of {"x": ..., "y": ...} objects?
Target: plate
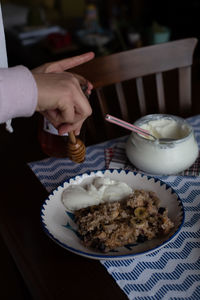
[{"x": 58, "y": 223}]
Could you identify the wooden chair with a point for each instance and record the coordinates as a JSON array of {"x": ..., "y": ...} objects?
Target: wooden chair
[{"x": 114, "y": 76}]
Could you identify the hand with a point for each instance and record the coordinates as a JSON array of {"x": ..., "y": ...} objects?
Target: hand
[{"x": 60, "y": 97}]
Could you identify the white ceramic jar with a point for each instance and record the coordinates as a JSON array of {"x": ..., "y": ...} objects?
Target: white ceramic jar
[{"x": 164, "y": 158}]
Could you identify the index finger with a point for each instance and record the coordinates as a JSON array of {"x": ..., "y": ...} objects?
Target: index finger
[{"x": 71, "y": 62}]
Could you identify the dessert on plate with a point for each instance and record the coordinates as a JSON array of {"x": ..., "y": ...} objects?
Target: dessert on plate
[
  {"x": 110, "y": 214},
  {"x": 136, "y": 219}
]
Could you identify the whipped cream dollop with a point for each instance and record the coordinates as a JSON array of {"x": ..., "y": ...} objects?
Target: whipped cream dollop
[
  {"x": 100, "y": 190},
  {"x": 166, "y": 128}
]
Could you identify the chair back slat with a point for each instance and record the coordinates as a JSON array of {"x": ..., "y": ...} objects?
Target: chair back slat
[
  {"x": 141, "y": 95},
  {"x": 122, "y": 102},
  {"x": 185, "y": 93},
  {"x": 104, "y": 109},
  {"x": 160, "y": 93},
  {"x": 102, "y": 100}
]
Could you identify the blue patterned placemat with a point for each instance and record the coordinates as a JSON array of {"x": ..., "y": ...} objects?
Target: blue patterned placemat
[{"x": 172, "y": 272}]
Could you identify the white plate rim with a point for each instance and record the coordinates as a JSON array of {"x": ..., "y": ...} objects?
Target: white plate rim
[{"x": 110, "y": 257}]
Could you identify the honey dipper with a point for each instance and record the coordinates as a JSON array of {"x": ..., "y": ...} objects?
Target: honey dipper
[{"x": 75, "y": 148}]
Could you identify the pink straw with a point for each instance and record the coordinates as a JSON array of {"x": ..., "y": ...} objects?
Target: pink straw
[{"x": 127, "y": 125}]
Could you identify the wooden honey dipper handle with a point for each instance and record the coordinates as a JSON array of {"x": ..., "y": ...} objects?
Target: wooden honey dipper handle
[
  {"x": 72, "y": 137},
  {"x": 76, "y": 149}
]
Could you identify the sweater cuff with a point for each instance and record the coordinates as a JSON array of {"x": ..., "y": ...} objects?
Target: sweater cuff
[{"x": 18, "y": 93}]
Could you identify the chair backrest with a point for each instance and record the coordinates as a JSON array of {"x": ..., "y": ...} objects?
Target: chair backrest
[{"x": 119, "y": 69}]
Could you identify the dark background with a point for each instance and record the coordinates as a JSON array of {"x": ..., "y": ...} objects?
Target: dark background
[{"x": 181, "y": 17}]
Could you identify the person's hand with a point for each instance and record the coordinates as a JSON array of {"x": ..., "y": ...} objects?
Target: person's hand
[{"x": 60, "y": 97}]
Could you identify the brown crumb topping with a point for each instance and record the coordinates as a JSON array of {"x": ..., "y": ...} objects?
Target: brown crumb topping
[{"x": 114, "y": 224}]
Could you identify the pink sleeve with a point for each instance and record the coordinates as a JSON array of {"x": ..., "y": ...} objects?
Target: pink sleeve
[{"x": 18, "y": 93}]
